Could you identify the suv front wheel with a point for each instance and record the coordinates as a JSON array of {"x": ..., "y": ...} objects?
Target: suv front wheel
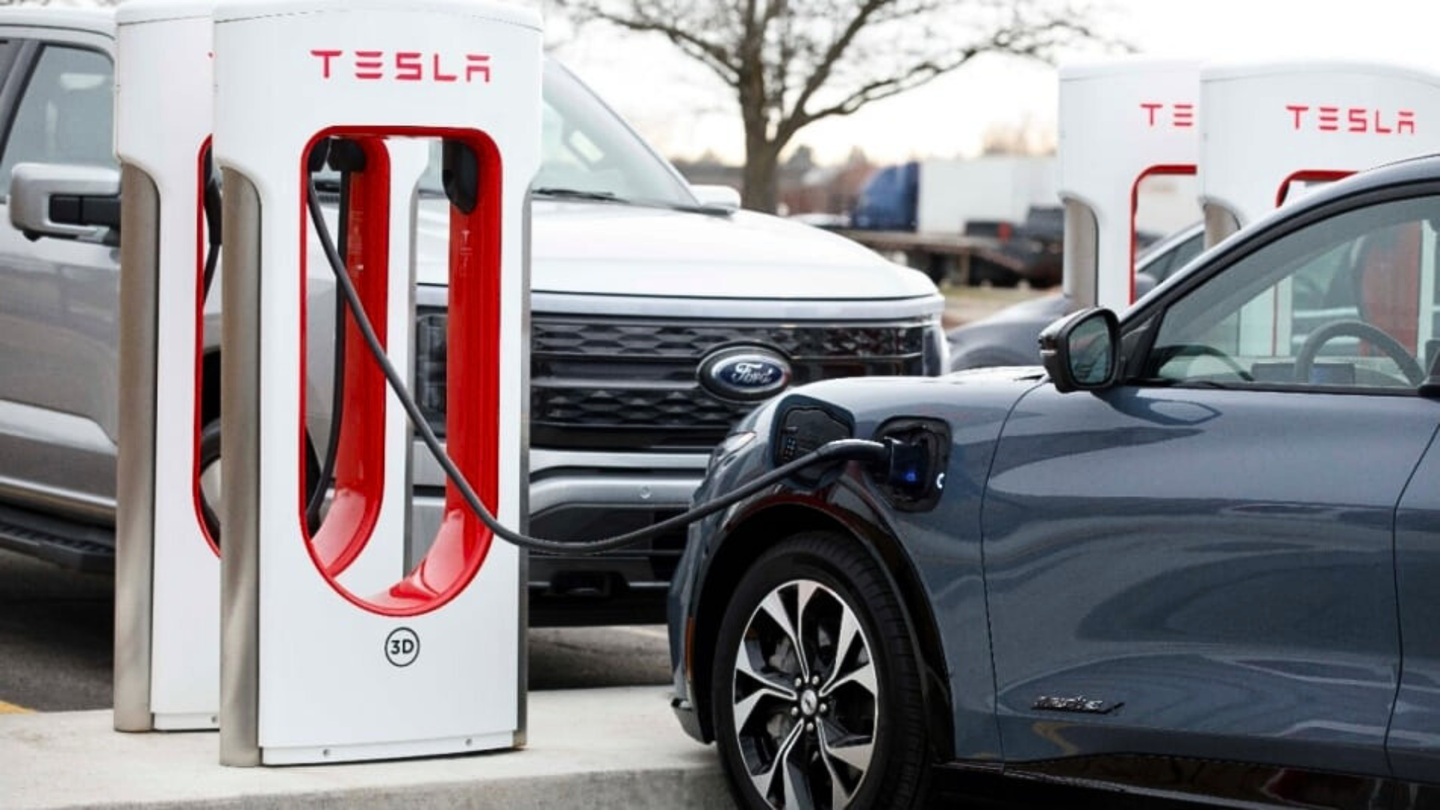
[{"x": 816, "y": 687}]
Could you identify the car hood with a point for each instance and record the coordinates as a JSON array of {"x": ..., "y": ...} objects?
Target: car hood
[{"x": 600, "y": 248}]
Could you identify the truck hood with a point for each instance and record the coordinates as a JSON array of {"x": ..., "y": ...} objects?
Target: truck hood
[{"x": 599, "y": 248}]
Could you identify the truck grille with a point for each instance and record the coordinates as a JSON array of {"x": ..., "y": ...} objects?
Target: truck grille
[{"x": 630, "y": 384}]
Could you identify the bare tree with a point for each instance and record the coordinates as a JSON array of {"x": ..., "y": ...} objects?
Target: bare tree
[
  {"x": 1025, "y": 137},
  {"x": 791, "y": 63}
]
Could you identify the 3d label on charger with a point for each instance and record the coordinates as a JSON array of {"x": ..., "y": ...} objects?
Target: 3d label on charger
[{"x": 402, "y": 647}]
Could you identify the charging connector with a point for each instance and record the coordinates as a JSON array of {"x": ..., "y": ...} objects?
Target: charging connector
[{"x": 912, "y": 477}]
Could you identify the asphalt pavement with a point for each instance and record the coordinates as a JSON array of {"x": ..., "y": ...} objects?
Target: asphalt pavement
[{"x": 57, "y": 630}]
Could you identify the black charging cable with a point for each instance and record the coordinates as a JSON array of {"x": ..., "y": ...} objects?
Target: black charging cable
[
  {"x": 836, "y": 451},
  {"x": 212, "y": 206},
  {"x": 347, "y": 158}
]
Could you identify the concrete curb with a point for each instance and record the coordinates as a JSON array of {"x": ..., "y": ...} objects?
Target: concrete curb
[{"x": 597, "y": 748}]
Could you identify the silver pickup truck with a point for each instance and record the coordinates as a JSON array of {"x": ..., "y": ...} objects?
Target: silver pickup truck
[{"x": 660, "y": 316}]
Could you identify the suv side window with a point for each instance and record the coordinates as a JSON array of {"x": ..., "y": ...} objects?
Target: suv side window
[
  {"x": 1314, "y": 308},
  {"x": 66, "y": 114}
]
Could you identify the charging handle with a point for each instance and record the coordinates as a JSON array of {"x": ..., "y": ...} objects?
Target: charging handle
[
  {"x": 460, "y": 174},
  {"x": 912, "y": 473}
]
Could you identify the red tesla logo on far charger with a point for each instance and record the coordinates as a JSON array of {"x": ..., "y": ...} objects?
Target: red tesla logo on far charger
[
  {"x": 1352, "y": 119},
  {"x": 1168, "y": 116},
  {"x": 402, "y": 66}
]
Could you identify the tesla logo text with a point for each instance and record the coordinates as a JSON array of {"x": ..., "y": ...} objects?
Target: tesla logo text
[
  {"x": 1352, "y": 119},
  {"x": 402, "y": 66},
  {"x": 1173, "y": 116}
]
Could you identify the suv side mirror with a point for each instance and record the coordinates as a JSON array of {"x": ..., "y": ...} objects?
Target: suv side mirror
[
  {"x": 720, "y": 198},
  {"x": 1081, "y": 351},
  {"x": 48, "y": 199}
]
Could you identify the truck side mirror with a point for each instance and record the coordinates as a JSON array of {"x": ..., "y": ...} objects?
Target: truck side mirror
[
  {"x": 720, "y": 198},
  {"x": 1081, "y": 351},
  {"x": 69, "y": 202}
]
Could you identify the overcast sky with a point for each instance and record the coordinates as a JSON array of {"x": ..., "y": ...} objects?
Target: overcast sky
[{"x": 684, "y": 112}]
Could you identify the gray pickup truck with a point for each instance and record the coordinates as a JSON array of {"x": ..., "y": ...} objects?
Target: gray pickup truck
[{"x": 646, "y": 290}]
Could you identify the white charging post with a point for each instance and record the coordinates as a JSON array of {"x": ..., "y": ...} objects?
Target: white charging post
[
  {"x": 315, "y": 669},
  {"x": 1273, "y": 129},
  {"x": 167, "y": 576},
  {"x": 1121, "y": 121}
]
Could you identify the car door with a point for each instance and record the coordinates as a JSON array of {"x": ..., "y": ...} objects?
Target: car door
[
  {"x": 1198, "y": 562},
  {"x": 58, "y": 297},
  {"x": 1414, "y": 740}
]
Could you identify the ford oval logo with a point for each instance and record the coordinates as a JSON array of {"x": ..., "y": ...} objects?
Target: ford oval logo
[{"x": 744, "y": 373}]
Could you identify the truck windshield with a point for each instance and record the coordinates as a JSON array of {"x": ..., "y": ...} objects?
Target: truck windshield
[{"x": 588, "y": 153}]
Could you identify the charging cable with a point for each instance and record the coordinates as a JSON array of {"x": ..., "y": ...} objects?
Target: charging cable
[{"x": 836, "y": 451}]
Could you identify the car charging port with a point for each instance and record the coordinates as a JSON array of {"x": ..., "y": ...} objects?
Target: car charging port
[{"x": 912, "y": 477}]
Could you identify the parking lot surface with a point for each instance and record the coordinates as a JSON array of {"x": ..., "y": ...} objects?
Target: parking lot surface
[
  {"x": 55, "y": 656},
  {"x": 56, "y": 631}
]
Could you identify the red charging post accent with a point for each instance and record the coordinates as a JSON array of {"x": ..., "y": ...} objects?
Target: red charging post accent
[
  {"x": 360, "y": 453},
  {"x": 1307, "y": 176},
  {"x": 195, "y": 493},
  {"x": 472, "y": 398},
  {"x": 472, "y": 381},
  {"x": 1177, "y": 169}
]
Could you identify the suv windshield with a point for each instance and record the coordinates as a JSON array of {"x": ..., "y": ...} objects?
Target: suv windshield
[{"x": 587, "y": 152}]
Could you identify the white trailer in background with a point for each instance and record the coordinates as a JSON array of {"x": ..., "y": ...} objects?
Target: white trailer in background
[
  {"x": 954, "y": 192},
  {"x": 1272, "y": 129}
]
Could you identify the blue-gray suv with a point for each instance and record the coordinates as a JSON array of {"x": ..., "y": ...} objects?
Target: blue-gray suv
[{"x": 1196, "y": 555}]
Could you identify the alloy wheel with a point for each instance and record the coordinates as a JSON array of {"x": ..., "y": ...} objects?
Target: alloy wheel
[{"x": 805, "y": 698}]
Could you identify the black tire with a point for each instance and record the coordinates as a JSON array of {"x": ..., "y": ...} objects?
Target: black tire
[
  {"x": 210, "y": 454},
  {"x": 897, "y": 772}
]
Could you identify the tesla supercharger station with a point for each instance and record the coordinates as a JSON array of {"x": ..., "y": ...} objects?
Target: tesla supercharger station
[
  {"x": 1121, "y": 121},
  {"x": 167, "y": 605},
  {"x": 1272, "y": 130},
  {"x": 314, "y": 669}
]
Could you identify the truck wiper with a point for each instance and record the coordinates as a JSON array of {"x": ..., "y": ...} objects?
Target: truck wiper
[
  {"x": 577, "y": 194},
  {"x": 608, "y": 196}
]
